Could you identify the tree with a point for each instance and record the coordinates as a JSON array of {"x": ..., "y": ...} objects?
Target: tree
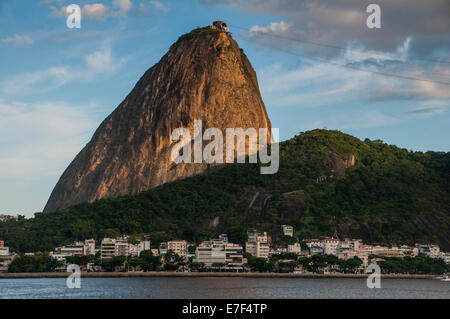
[
  {"x": 218, "y": 265},
  {"x": 36, "y": 263}
]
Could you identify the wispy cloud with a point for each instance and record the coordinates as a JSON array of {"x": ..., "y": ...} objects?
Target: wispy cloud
[
  {"x": 159, "y": 6},
  {"x": 18, "y": 40},
  {"x": 96, "y": 63},
  {"x": 96, "y": 11},
  {"x": 344, "y": 21},
  {"x": 431, "y": 108},
  {"x": 353, "y": 75}
]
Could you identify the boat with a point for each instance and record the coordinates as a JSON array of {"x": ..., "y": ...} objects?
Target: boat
[{"x": 446, "y": 278}]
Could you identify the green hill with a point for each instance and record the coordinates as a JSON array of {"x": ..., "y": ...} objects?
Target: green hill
[{"x": 387, "y": 194}]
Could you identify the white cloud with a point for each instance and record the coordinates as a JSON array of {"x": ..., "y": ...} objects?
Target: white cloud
[
  {"x": 18, "y": 39},
  {"x": 431, "y": 108},
  {"x": 274, "y": 27},
  {"x": 123, "y": 5},
  {"x": 101, "y": 61},
  {"x": 95, "y": 11}
]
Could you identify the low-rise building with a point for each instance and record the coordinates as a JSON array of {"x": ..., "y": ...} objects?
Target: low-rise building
[
  {"x": 219, "y": 251},
  {"x": 86, "y": 248},
  {"x": 121, "y": 246},
  {"x": 446, "y": 257},
  {"x": 432, "y": 251},
  {"x": 288, "y": 230},
  {"x": 163, "y": 248},
  {"x": 315, "y": 246},
  {"x": 6, "y": 257},
  {"x": 330, "y": 246},
  {"x": 295, "y": 248}
]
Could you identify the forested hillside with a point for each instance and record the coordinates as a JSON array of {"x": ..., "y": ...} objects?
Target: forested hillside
[{"x": 328, "y": 183}]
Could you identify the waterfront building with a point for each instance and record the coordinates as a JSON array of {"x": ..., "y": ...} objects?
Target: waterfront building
[
  {"x": 121, "y": 246},
  {"x": 257, "y": 244},
  {"x": 315, "y": 246},
  {"x": 6, "y": 257},
  {"x": 108, "y": 248},
  {"x": 219, "y": 251},
  {"x": 85, "y": 248},
  {"x": 295, "y": 248},
  {"x": 178, "y": 247},
  {"x": 142, "y": 245},
  {"x": 330, "y": 246},
  {"x": 163, "y": 248},
  {"x": 432, "y": 251},
  {"x": 3, "y": 250}
]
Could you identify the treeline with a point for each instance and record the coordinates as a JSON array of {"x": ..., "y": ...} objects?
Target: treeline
[
  {"x": 288, "y": 262},
  {"x": 418, "y": 265}
]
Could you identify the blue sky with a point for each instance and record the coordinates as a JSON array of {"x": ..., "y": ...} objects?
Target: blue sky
[{"x": 57, "y": 84}]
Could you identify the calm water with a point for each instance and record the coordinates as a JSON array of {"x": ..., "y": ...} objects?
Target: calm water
[{"x": 228, "y": 288}]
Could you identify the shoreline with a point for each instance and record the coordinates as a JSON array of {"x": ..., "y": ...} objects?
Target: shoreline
[{"x": 205, "y": 274}]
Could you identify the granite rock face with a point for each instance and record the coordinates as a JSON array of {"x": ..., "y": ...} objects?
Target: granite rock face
[{"x": 204, "y": 76}]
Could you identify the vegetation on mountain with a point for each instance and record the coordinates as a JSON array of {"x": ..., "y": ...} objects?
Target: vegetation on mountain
[{"x": 389, "y": 195}]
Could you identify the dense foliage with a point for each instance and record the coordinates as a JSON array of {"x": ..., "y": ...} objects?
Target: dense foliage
[
  {"x": 390, "y": 195},
  {"x": 287, "y": 262},
  {"x": 37, "y": 263},
  {"x": 417, "y": 265}
]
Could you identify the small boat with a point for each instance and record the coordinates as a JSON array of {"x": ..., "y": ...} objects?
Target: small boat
[{"x": 445, "y": 278}]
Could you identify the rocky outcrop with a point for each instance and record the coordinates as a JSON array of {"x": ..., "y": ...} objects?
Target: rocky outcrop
[
  {"x": 204, "y": 76},
  {"x": 338, "y": 165}
]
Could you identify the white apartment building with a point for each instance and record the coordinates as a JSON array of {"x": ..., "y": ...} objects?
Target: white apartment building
[
  {"x": 6, "y": 257},
  {"x": 108, "y": 248},
  {"x": 295, "y": 248},
  {"x": 121, "y": 246},
  {"x": 432, "y": 251},
  {"x": 315, "y": 246},
  {"x": 4, "y": 251},
  {"x": 163, "y": 248},
  {"x": 288, "y": 230},
  {"x": 330, "y": 246},
  {"x": 76, "y": 249},
  {"x": 135, "y": 250},
  {"x": 446, "y": 257},
  {"x": 217, "y": 251}
]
